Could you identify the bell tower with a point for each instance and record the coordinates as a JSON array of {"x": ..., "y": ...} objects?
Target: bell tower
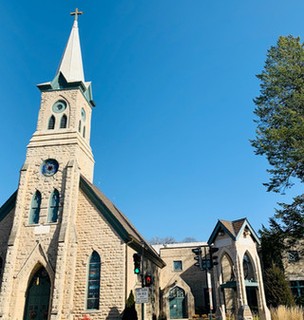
[
  {"x": 42, "y": 242},
  {"x": 64, "y": 121}
]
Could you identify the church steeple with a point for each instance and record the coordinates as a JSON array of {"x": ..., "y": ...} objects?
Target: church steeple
[
  {"x": 71, "y": 62},
  {"x": 70, "y": 72},
  {"x": 64, "y": 121}
]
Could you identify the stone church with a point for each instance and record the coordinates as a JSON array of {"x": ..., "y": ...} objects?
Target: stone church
[{"x": 66, "y": 252}]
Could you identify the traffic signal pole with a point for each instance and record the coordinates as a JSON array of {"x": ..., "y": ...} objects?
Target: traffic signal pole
[
  {"x": 142, "y": 280},
  {"x": 209, "y": 284},
  {"x": 207, "y": 265}
]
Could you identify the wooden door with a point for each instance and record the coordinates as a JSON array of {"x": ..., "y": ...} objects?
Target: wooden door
[{"x": 38, "y": 297}]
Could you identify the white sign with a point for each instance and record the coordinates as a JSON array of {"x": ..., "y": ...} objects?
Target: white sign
[
  {"x": 142, "y": 295},
  {"x": 42, "y": 229}
]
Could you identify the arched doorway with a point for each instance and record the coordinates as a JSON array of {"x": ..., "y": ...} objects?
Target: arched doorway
[
  {"x": 229, "y": 284},
  {"x": 38, "y": 296},
  {"x": 177, "y": 303}
]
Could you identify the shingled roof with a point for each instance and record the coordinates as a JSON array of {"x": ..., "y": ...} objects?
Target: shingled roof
[{"x": 233, "y": 228}]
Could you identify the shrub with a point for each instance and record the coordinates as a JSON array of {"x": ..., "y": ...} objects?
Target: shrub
[
  {"x": 130, "y": 312},
  {"x": 284, "y": 313}
]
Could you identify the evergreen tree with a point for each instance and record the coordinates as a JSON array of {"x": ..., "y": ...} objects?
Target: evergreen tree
[
  {"x": 280, "y": 137},
  {"x": 280, "y": 112},
  {"x": 130, "y": 312},
  {"x": 277, "y": 290}
]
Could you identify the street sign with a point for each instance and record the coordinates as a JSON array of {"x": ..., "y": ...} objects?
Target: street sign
[{"x": 142, "y": 295}]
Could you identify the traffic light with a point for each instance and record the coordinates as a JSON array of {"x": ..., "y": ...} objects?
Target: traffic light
[
  {"x": 213, "y": 258},
  {"x": 137, "y": 261},
  {"x": 198, "y": 256},
  {"x": 148, "y": 280}
]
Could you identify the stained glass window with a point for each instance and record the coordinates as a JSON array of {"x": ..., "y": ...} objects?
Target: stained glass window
[
  {"x": 54, "y": 206},
  {"x": 35, "y": 208},
  {"x": 93, "y": 281}
]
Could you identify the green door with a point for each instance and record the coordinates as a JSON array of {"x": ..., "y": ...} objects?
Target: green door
[
  {"x": 38, "y": 296},
  {"x": 177, "y": 303}
]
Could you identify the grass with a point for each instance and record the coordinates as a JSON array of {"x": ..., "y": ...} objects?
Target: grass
[{"x": 285, "y": 313}]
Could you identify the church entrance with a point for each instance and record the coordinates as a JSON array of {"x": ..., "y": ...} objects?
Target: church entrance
[
  {"x": 38, "y": 296},
  {"x": 177, "y": 303}
]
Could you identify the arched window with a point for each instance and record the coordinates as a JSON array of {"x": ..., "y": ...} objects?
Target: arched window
[
  {"x": 227, "y": 268},
  {"x": 93, "y": 281},
  {"x": 79, "y": 126},
  {"x": 248, "y": 268},
  {"x": 53, "y": 206},
  {"x": 63, "y": 122},
  {"x": 35, "y": 208},
  {"x": 83, "y": 133},
  {"x": 51, "y": 122}
]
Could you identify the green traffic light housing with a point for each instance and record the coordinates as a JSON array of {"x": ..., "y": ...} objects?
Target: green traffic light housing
[{"x": 137, "y": 262}]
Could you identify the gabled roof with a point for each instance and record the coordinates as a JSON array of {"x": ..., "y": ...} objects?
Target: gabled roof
[
  {"x": 234, "y": 229},
  {"x": 7, "y": 207},
  {"x": 119, "y": 222}
]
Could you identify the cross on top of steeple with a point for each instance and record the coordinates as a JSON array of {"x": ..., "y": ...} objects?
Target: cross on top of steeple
[{"x": 76, "y": 13}]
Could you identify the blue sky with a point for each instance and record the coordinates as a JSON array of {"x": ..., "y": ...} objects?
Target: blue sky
[{"x": 173, "y": 82}]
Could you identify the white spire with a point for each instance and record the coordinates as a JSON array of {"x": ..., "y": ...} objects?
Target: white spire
[{"x": 71, "y": 62}]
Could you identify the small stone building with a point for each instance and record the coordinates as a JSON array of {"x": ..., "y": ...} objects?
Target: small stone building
[
  {"x": 238, "y": 283},
  {"x": 230, "y": 277},
  {"x": 183, "y": 285},
  {"x": 66, "y": 251}
]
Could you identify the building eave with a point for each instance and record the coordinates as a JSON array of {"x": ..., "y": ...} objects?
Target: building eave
[{"x": 119, "y": 222}]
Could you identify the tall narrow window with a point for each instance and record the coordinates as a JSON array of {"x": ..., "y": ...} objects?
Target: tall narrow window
[
  {"x": 1, "y": 266},
  {"x": 84, "y": 132},
  {"x": 63, "y": 122},
  {"x": 53, "y": 206},
  {"x": 93, "y": 281},
  {"x": 79, "y": 126},
  {"x": 35, "y": 208},
  {"x": 51, "y": 122}
]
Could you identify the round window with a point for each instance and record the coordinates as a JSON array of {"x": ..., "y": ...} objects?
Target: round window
[
  {"x": 59, "y": 106},
  {"x": 49, "y": 167}
]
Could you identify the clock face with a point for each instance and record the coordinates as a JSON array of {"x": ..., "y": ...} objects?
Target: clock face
[
  {"x": 59, "y": 106},
  {"x": 83, "y": 114},
  {"x": 49, "y": 167}
]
